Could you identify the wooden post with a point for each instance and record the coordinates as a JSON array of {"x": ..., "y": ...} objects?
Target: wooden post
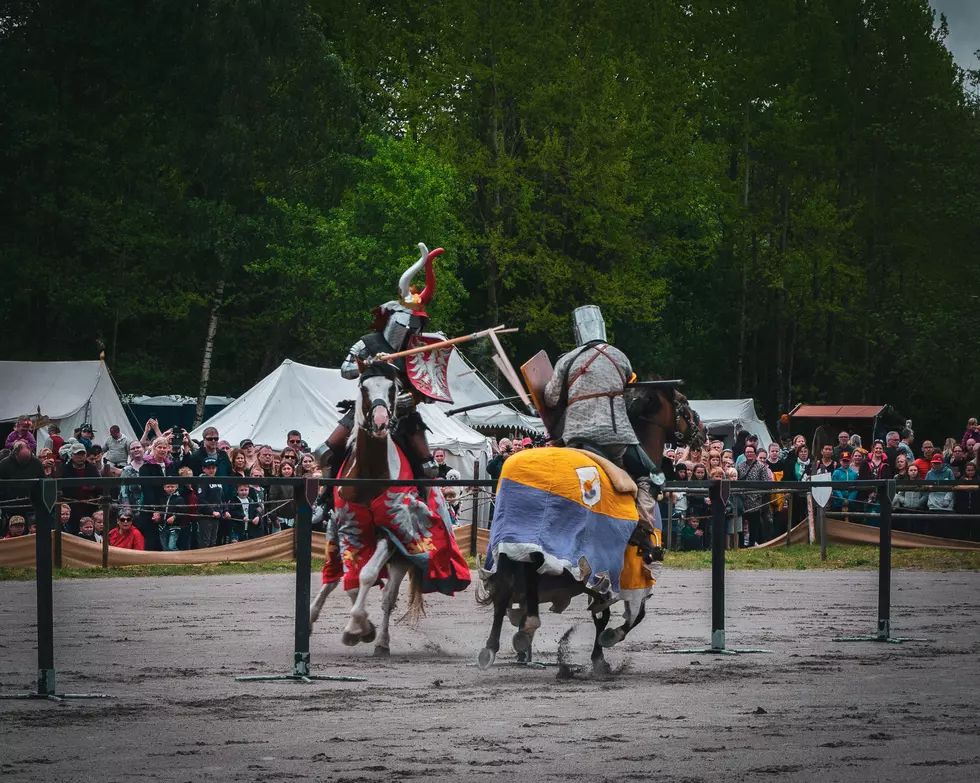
[
  {"x": 474, "y": 521},
  {"x": 789, "y": 517},
  {"x": 106, "y": 509}
]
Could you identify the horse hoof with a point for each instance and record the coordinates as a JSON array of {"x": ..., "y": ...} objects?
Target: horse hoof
[
  {"x": 486, "y": 658},
  {"x": 522, "y": 642},
  {"x": 382, "y": 652},
  {"x": 524, "y": 657},
  {"x": 350, "y": 639},
  {"x": 368, "y": 636},
  {"x": 601, "y": 667},
  {"x": 610, "y": 637}
]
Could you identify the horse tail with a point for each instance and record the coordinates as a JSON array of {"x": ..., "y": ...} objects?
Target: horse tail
[{"x": 416, "y": 599}]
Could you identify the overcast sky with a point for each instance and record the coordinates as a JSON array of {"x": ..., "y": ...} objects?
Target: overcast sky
[{"x": 964, "y": 29}]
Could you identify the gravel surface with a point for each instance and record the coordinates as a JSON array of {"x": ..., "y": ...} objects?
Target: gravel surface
[{"x": 167, "y": 650}]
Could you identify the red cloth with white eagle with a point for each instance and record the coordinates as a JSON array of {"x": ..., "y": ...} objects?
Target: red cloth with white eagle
[
  {"x": 423, "y": 532},
  {"x": 428, "y": 371}
]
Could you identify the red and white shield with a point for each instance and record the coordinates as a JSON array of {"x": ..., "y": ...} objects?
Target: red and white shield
[{"x": 428, "y": 371}]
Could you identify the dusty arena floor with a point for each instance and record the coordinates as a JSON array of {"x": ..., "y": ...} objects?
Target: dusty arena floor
[{"x": 167, "y": 650}]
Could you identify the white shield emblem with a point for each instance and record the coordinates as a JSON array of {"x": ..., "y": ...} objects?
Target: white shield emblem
[
  {"x": 429, "y": 371},
  {"x": 588, "y": 480},
  {"x": 821, "y": 494}
]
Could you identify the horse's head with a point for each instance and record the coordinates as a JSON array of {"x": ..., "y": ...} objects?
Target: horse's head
[
  {"x": 689, "y": 429},
  {"x": 378, "y": 386},
  {"x": 664, "y": 415}
]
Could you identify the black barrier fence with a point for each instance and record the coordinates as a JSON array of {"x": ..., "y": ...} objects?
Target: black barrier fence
[{"x": 44, "y": 496}]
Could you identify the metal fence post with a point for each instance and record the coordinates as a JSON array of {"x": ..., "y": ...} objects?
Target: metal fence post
[
  {"x": 43, "y": 498},
  {"x": 305, "y": 492},
  {"x": 886, "y": 495},
  {"x": 719, "y": 492}
]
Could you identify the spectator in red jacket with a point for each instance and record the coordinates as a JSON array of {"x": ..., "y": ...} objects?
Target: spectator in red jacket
[{"x": 126, "y": 536}]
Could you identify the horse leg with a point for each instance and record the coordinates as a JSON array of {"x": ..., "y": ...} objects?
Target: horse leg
[
  {"x": 359, "y": 628},
  {"x": 601, "y": 620},
  {"x": 524, "y": 638},
  {"x": 635, "y": 601},
  {"x": 319, "y": 600},
  {"x": 389, "y": 597},
  {"x": 502, "y": 589}
]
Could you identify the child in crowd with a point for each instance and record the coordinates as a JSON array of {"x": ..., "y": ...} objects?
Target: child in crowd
[
  {"x": 212, "y": 515},
  {"x": 244, "y": 513}
]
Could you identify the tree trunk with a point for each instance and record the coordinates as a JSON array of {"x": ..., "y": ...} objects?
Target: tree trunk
[{"x": 202, "y": 393}]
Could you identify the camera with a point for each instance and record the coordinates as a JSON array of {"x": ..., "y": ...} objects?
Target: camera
[{"x": 177, "y": 439}]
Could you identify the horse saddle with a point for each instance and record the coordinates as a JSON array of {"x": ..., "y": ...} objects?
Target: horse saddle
[{"x": 619, "y": 478}]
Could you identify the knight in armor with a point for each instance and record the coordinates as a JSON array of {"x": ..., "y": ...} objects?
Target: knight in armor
[
  {"x": 588, "y": 385},
  {"x": 395, "y": 324}
]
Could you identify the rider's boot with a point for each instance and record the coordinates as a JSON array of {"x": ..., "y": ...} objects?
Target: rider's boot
[{"x": 643, "y": 534}]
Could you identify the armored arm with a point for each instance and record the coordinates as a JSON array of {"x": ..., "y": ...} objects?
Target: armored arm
[{"x": 349, "y": 368}]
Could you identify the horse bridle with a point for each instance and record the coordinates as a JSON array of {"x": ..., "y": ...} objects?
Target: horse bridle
[
  {"x": 694, "y": 438},
  {"x": 385, "y": 370}
]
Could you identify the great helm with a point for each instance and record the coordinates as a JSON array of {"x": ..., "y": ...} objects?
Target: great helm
[
  {"x": 398, "y": 319},
  {"x": 588, "y": 324}
]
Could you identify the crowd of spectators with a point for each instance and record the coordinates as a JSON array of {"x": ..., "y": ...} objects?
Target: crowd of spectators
[
  {"x": 757, "y": 517},
  {"x": 190, "y": 513},
  {"x": 193, "y": 512}
]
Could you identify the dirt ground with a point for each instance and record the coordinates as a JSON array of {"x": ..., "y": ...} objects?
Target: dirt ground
[{"x": 167, "y": 650}]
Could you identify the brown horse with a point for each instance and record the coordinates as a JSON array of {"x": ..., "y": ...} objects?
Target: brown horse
[{"x": 656, "y": 414}]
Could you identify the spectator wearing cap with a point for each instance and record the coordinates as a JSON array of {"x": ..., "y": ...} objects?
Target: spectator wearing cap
[
  {"x": 527, "y": 443},
  {"x": 209, "y": 448},
  {"x": 116, "y": 448},
  {"x": 845, "y": 472},
  {"x": 125, "y": 536},
  {"x": 16, "y": 527},
  {"x": 22, "y": 431},
  {"x": 247, "y": 447},
  {"x": 79, "y": 467},
  {"x": 439, "y": 455},
  {"x": 211, "y": 506},
  {"x": 940, "y": 499},
  {"x": 86, "y": 435}
]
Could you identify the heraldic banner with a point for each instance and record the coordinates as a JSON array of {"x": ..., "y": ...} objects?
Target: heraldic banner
[{"x": 558, "y": 503}]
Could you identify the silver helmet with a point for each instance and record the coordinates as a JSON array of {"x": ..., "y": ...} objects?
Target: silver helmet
[{"x": 588, "y": 324}]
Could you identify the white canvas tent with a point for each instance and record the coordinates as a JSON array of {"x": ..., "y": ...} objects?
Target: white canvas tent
[
  {"x": 68, "y": 393},
  {"x": 728, "y": 417},
  {"x": 303, "y": 397},
  {"x": 468, "y": 387}
]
